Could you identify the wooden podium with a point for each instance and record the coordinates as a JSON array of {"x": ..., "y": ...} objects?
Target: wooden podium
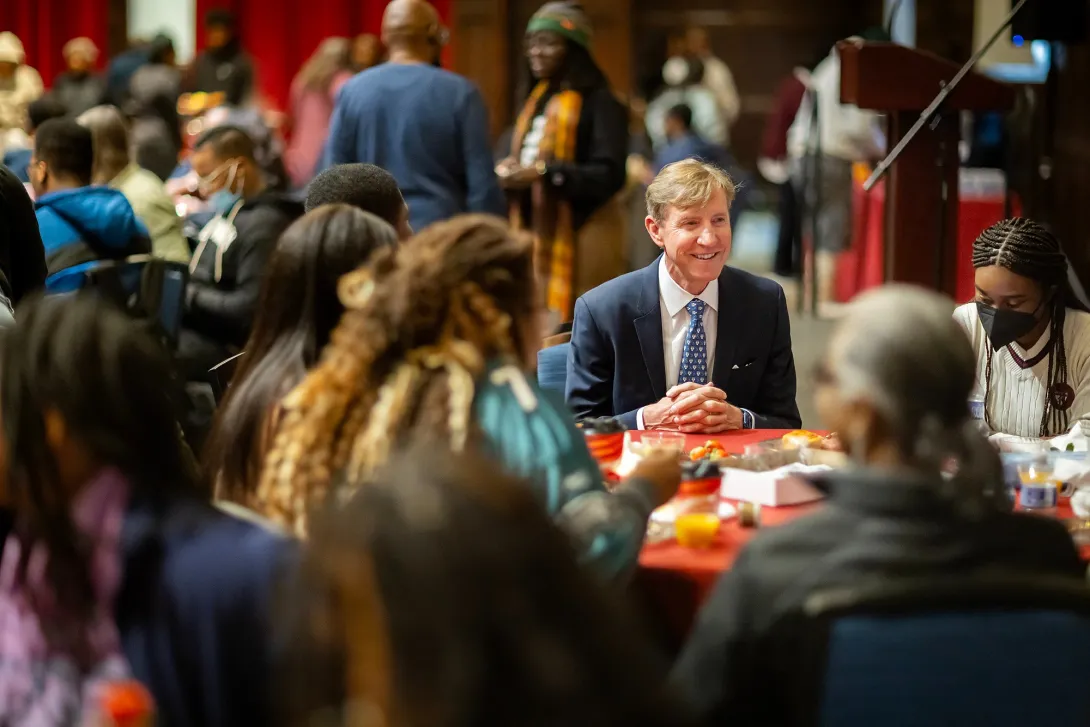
[{"x": 901, "y": 82}]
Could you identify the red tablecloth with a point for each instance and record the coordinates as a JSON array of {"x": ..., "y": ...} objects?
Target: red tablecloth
[
  {"x": 674, "y": 581},
  {"x": 703, "y": 566},
  {"x": 863, "y": 266}
]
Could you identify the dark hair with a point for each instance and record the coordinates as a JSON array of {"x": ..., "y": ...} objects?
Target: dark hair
[
  {"x": 113, "y": 387},
  {"x": 1025, "y": 248},
  {"x": 420, "y": 324},
  {"x": 365, "y": 186},
  {"x": 486, "y": 615},
  {"x": 297, "y": 312},
  {"x": 227, "y": 142},
  {"x": 683, "y": 114},
  {"x": 159, "y": 48},
  {"x": 220, "y": 18},
  {"x": 695, "y": 74},
  {"x": 66, "y": 148},
  {"x": 43, "y": 109}
]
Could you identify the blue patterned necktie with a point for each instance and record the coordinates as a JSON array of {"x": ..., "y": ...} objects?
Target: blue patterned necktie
[{"x": 694, "y": 357}]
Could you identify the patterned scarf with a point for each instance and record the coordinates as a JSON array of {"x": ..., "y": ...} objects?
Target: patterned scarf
[
  {"x": 52, "y": 675},
  {"x": 550, "y": 212}
]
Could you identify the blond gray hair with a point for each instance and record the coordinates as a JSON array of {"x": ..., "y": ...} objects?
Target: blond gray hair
[
  {"x": 110, "y": 139},
  {"x": 686, "y": 184}
]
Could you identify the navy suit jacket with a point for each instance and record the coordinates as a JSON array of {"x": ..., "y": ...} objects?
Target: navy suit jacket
[{"x": 616, "y": 364}]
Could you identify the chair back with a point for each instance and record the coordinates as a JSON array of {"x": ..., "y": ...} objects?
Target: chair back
[
  {"x": 220, "y": 375},
  {"x": 145, "y": 287},
  {"x": 552, "y": 367},
  {"x": 988, "y": 651}
]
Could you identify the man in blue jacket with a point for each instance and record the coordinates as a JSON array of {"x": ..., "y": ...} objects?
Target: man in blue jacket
[
  {"x": 78, "y": 223},
  {"x": 426, "y": 126}
]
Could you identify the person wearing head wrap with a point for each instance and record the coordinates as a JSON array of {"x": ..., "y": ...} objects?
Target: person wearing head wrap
[
  {"x": 19, "y": 85},
  {"x": 79, "y": 88},
  {"x": 567, "y": 161}
]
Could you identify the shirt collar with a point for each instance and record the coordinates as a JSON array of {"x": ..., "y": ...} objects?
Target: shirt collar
[{"x": 675, "y": 298}]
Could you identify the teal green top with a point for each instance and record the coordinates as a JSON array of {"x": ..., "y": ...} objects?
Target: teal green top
[{"x": 532, "y": 432}]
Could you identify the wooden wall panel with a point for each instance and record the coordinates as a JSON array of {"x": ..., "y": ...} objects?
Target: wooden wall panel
[
  {"x": 760, "y": 40},
  {"x": 1069, "y": 184},
  {"x": 480, "y": 32}
]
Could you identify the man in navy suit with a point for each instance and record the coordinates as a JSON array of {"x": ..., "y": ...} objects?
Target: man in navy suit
[{"x": 685, "y": 343}]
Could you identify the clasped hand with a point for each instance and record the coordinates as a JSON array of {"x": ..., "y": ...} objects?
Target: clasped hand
[
  {"x": 693, "y": 408},
  {"x": 513, "y": 175}
]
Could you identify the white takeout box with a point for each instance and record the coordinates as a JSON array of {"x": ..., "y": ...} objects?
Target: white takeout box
[{"x": 773, "y": 488}]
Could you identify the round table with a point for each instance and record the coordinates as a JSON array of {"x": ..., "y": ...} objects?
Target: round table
[{"x": 674, "y": 581}]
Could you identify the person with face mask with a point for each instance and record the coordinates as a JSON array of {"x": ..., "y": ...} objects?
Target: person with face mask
[
  {"x": 233, "y": 247},
  {"x": 1030, "y": 333},
  {"x": 893, "y": 384}
]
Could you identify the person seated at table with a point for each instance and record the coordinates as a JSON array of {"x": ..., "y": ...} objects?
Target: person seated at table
[
  {"x": 233, "y": 249},
  {"x": 479, "y": 576},
  {"x": 893, "y": 382},
  {"x": 687, "y": 342},
  {"x": 296, "y": 314},
  {"x": 114, "y": 168},
  {"x": 433, "y": 345},
  {"x": 1030, "y": 334},
  {"x": 79, "y": 223},
  {"x": 363, "y": 186},
  {"x": 145, "y": 580}
]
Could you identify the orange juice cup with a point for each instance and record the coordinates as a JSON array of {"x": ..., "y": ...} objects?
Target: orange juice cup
[{"x": 696, "y": 530}]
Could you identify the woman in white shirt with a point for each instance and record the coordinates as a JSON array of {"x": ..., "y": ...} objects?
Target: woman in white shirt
[{"x": 1030, "y": 334}]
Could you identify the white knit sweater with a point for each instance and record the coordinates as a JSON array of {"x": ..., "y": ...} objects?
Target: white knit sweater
[{"x": 1016, "y": 399}]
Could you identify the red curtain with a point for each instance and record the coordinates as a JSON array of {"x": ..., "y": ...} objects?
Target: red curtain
[
  {"x": 44, "y": 26},
  {"x": 281, "y": 34}
]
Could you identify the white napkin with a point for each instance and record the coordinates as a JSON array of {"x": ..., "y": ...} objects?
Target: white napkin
[{"x": 1076, "y": 436}]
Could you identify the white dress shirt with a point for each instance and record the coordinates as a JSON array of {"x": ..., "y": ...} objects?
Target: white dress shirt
[{"x": 673, "y": 300}]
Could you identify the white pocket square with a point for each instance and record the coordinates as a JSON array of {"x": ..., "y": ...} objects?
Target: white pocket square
[{"x": 734, "y": 367}]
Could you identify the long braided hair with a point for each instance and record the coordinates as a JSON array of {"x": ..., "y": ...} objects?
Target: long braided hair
[
  {"x": 420, "y": 324},
  {"x": 1025, "y": 248}
]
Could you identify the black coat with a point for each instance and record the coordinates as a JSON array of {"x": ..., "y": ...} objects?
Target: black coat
[
  {"x": 226, "y": 70},
  {"x": 79, "y": 92},
  {"x": 223, "y": 309},
  {"x": 601, "y": 153},
  {"x": 22, "y": 256},
  {"x": 876, "y": 526}
]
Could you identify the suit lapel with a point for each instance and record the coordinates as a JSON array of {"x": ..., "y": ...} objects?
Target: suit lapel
[
  {"x": 649, "y": 329},
  {"x": 731, "y": 318}
]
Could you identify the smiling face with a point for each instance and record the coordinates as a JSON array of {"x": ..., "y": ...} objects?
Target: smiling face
[
  {"x": 546, "y": 53},
  {"x": 696, "y": 241}
]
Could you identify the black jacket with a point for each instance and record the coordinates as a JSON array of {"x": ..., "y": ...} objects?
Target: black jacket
[
  {"x": 22, "y": 256},
  {"x": 222, "y": 309},
  {"x": 601, "y": 153},
  {"x": 79, "y": 92},
  {"x": 227, "y": 70},
  {"x": 875, "y": 527}
]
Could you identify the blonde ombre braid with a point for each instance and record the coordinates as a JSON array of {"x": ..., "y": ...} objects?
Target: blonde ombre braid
[{"x": 421, "y": 324}]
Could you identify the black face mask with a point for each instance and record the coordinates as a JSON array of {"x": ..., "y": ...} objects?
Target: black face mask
[{"x": 1005, "y": 326}]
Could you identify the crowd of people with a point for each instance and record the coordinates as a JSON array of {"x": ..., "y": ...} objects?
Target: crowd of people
[{"x": 387, "y": 517}]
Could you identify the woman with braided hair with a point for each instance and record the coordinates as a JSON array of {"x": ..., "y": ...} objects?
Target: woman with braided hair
[
  {"x": 1030, "y": 334},
  {"x": 432, "y": 346}
]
